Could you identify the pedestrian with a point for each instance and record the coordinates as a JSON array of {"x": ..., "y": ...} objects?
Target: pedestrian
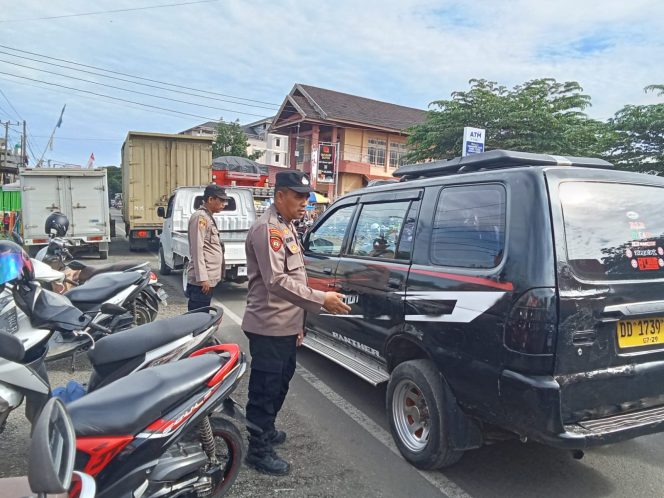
[
  {"x": 207, "y": 255},
  {"x": 277, "y": 299}
]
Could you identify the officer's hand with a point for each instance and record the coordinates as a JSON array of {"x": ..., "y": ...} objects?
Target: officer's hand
[
  {"x": 300, "y": 338},
  {"x": 205, "y": 287},
  {"x": 334, "y": 303}
]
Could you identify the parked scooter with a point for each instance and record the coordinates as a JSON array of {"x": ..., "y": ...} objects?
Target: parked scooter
[
  {"x": 51, "y": 460},
  {"x": 172, "y": 442},
  {"x": 56, "y": 254}
]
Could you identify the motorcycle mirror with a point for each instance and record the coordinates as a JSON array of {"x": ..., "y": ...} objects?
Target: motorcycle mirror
[
  {"x": 11, "y": 348},
  {"x": 112, "y": 309},
  {"x": 17, "y": 238},
  {"x": 52, "y": 450}
]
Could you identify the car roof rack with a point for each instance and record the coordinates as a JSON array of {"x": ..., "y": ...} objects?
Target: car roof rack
[{"x": 494, "y": 159}]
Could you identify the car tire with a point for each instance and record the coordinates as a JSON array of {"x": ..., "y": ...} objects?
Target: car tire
[
  {"x": 416, "y": 408},
  {"x": 164, "y": 269},
  {"x": 103, "y": 255}
]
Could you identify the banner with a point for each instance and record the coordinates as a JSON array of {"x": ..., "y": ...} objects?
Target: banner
[
  {"x": 473, "y": 140},
  {"x": 327, "y": 156}
]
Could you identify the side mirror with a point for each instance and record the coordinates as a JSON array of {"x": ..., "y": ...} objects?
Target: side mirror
[
  {"x": 161, "y": 212},
  {"x": 11, "y": 348},
  {"x": 17, "y": 238},
  {"x": 52, "y": 450},
  {"x": 112, "y": 309}
]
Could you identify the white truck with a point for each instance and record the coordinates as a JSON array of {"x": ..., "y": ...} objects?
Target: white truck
[
  {"x": 80, "y": 194},
  {"x": 233, "y": 222}
]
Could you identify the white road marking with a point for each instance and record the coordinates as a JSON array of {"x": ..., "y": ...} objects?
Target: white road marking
[{"x": 437, "y": 479}]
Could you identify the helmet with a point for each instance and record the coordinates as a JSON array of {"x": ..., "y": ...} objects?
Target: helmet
[
  {"x": 15, "y": 263},
  {"x": 56, "y": 223}
]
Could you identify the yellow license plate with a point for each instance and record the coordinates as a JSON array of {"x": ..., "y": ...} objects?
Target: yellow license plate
[{"x": 641, "y": 332}]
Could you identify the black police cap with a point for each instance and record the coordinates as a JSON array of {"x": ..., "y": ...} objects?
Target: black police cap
[
  {"x": 294, "y": 180},
  {"x": 214, "y": 190}
]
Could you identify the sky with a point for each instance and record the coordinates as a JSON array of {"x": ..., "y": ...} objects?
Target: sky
[{"x": 238, "y": 59}]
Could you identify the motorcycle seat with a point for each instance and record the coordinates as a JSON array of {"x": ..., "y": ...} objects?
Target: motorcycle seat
[
  {"x": 130, "y": 404},
  {"x": 137, "y": 341},
  {"x": 101, "y": 288},
  {"x": 86, "y": 272}
]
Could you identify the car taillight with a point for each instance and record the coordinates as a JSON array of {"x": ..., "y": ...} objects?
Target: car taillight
[
  {"x": 142, "y": 234},
  {"x": 532, "y": 322}
]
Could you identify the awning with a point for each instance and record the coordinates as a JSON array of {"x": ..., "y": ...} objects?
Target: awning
[{"x": 317, "y": 198}]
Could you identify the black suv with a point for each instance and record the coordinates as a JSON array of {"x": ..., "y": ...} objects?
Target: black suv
[{"x": 503, "y": 293}]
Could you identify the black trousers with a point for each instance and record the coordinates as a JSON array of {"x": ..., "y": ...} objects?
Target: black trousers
[
  {"x": 197, "y": 299},
  {"x": 272, "y": 368}
]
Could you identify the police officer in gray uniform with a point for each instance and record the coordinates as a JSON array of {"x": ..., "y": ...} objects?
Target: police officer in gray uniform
[
  {"x": 274, "y": 317},
  {"x": 207, "y": 255}
]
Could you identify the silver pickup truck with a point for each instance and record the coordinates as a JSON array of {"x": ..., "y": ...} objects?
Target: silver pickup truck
[{"x": 233, "y": 222}]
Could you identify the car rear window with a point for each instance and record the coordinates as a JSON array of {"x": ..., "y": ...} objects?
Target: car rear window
[{"x": 614, "y": 231}]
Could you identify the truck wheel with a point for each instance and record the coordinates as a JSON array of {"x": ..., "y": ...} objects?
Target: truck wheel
[
  {"x": 164, "y": 269},
  {"x": 416, "y": 400},
  {"x": 103, "y": 254}
]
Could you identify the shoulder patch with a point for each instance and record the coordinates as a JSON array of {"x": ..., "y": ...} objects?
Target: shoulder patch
[
  {"x": 275, "y": 233},
  {"x": 276, "y": 243},
  {"x": 202, "y": 222}
]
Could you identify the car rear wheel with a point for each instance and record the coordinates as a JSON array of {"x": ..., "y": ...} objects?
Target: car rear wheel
[{"x": 416, "y": 402}]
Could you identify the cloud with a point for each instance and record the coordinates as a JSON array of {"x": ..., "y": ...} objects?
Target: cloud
[{"x": 409, "y": 52}]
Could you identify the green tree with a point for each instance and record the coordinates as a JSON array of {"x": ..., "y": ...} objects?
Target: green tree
[
  {"x": 639, "y": 131},
  {"x": 114, "y": 176},
  {"x": 232, "y": 141},
  {"x": 541, "y": 115}
]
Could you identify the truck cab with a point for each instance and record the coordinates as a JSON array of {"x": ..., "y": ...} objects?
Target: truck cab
[{"x": 233, "y": 222}]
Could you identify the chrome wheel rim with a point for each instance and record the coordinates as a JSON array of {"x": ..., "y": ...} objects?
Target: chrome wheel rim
[
  {"x": 411, "y": 415},
  {"x": 184, "y": 276}
]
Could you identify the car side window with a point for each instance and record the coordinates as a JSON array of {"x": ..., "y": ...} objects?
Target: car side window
[
  {"x": 469, "y": 226},
  {"x": 378, "y": 229},
  {"x": 407, "y": 237},
  {"x": 169, "y": 209},
  {"x": 328, "y": 237}
]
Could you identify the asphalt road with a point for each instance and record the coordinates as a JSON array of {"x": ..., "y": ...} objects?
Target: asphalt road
[{"x": 339, "y": 443}]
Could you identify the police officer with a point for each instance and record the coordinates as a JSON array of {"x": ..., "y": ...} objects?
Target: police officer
[
  {"x": 277, "y": 299},
  {"x": 207, "y": 256}
]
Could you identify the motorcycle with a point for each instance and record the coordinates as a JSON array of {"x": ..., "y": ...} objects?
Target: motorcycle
[
  {"x": 174, "y": 439},
  {"x": 51, "y": 459}
]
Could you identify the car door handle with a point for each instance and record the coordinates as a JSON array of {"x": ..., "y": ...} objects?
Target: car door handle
[
  {"x": 394, "y": 282},
  {"x": 327, "y": 271}
]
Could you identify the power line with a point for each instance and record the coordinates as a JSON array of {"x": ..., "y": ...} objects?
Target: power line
[
  {"x": 34, "y": 157},
  {"x": 85, "y": 139},
  {"x": 123, "y": 79},
  {"x": 125, "y": 100},
  {"x": 125, "y": 89},
  {"x": 135, "y": 77},
  {"x": 107, "y": 11}
]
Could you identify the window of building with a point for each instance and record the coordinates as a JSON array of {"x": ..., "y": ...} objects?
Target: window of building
[
  {"x": 469, "y": 227},
  {"x": 397, "y": 151},
  {"x": 376, "y": 151},
  {"x": 303, "y": 150},
  {"x": 378, "y": 229},
  {"x": 276, "y": 158},
  {"x": 277, "y": 142}
]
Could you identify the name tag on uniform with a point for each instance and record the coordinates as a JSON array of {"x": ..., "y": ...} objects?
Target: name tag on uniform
[{"x": 291, "y": 243}]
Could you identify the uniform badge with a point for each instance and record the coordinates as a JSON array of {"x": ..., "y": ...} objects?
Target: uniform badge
[
  {"x": 294, "y": 248},
  {"x": 275, "y": 233},
  {"x": 202, "y": 223},
  {"x": 275, "y": 243}
]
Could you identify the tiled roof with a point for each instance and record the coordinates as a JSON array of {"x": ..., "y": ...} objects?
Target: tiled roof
[{"x": 328, "y": 105}]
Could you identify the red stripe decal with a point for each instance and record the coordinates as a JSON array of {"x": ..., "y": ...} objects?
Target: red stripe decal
[{"x": 507, "y": 286}]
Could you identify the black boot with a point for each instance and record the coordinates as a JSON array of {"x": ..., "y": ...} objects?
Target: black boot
[{"x": 263, "y": 458}]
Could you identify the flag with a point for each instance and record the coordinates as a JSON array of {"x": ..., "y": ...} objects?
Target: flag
[
  {"x": 91, "y": 161},
  {"x": 61, "y": 113}
]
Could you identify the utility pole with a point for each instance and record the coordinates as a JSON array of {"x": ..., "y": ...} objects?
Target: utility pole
[
  {"x": 4, "y": 162},
  {"x": 24, "y": 143}
]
